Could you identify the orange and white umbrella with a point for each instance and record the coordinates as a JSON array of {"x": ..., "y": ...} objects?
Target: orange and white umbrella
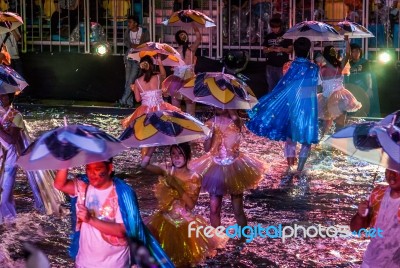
[
  {"x": 9, "y": 21},
  {"x": 188, "y": 17},
  {"x": 169, "y": 55}
]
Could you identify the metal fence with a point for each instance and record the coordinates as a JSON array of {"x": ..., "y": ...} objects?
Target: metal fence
[{"x": 74, "y": 25}]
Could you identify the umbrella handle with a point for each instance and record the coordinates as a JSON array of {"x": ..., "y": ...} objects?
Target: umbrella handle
[{"x": 5, "y": 40}]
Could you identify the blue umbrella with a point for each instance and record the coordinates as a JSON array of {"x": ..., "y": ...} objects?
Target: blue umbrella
[
  {"x": 313, "y": 30},
  {"x": 10, "y": 80}
]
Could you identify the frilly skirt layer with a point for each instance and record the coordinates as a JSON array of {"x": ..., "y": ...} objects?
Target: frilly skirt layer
[
  {"x": 244, "y": 173},
  {"x": 183, "y": 250},
  {"x": 143, "y": 109},
  {"x": 336, "y": 104}
]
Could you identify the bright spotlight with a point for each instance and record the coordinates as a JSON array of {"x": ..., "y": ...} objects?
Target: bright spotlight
[
  {"x": 101, "y": 48},
  {"x": 384, "y": 57}
]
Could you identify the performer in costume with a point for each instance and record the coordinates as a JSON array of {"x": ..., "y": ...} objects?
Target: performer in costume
[
  {"x": 224, "y": 168},
  {"x": 289, "y": 112},
  {"x": 335, "y": 100},
  {"x": 147, "y": 90},
  {"x": 105, "y": 216},
  {"x": 183, "y": 73},
  {"x": 177, "y": 193},
  {"x": 14, "y": 139}
]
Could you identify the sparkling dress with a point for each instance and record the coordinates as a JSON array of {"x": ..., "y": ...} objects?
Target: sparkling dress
[
  {"x": 170, "y": 224},
  {"x": 225, "y": 169},
  {"x": 151, "y": 101},
  {"x": 335, "y": 99}
]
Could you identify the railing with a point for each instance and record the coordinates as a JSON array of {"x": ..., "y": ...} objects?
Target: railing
[{"x": 238, "y": 28}]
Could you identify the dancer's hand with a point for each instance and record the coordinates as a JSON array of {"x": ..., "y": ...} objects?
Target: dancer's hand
[
  {"x": 363, "y": 208},
  {"x": 83, "y": 213}
]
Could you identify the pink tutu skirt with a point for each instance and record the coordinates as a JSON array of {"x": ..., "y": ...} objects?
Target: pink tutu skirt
[
  {"x": 243, "y": 173},
  {"x": 339, "y": 102}
]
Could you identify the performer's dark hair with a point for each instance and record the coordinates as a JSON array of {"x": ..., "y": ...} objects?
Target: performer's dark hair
[
  {"x": 184, "y": 44},
  {"x": 184, "y": 148},
  {"x": 302, "y": 47},
  {"x": 148, "y": 73}
]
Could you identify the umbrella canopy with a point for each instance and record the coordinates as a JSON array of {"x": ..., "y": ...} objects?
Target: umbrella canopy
[
  {"x": 163, "y": 128},
  {"x": 354, "y": 30},
  {"x": 69, "y": 146},
  {"x": 10, "y": 80},
  {"x": 220, "y": 90},
  {"x": 377, "y": 143},
  {"x": 313, "y": 30},
  {"x": 167, "y": 60},
  {"x": 9, "y": 21},
  {"x": 187, "y": 17},
  {"x": 169, "y": 55}
]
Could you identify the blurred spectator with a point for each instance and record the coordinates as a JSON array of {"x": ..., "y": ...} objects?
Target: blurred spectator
[
  {"x": 259, "y": 17},
  {"x": 185, "y": 4},
  {"x": 235, "y": 20},
  {"x": 67, "y": 10},
  {"x": 394, "y": 17},
  {"x": 277, "y": 51}
]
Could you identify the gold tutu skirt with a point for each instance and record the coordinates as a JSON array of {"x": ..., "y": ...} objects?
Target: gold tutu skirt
[
  {"x": 243, "y": 173},
  {"x": 172, "y": 234}
]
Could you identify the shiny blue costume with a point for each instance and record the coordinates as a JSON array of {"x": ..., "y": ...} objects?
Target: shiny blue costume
[
  {"x": 290, "y": 110},
  {"x": 134, "y": 225}
]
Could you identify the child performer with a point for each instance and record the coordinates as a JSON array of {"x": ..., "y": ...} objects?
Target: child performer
[
  {"x": 177, "y": 193},
  {"x": 225, "y": 169},
  {"x": 183, "y": 73},
  {"x": 335, "y": 100},
  {"x": 289, "y": 112}
]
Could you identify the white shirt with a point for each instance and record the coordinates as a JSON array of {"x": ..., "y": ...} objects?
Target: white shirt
[{"x": 94, "y": 251}]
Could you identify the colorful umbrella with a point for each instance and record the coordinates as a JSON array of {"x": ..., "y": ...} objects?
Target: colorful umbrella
[
  {"x": 169, "y": 55},
  {"x": 377, "y": 143},
  {"x": 167, "y": 60},
  {"x": 9, "y": 21},
  {"x": 313, "y": 30},
  {"x": 69, "y": 146},
  {"x": 163, "y": 128},
  {"x": 220, "y": 90},
  {"x": 11, "y": 81},
  {"x": 187, "y": 17},
  {"x": 354, "y": 30}
]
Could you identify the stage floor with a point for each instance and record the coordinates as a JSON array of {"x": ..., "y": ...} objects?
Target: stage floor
[{"x": 327, "y": 195}]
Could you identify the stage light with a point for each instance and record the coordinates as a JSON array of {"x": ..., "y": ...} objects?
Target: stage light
[
  {"x": 101, "y": 48},
  {"x": 384, "y": 57}
]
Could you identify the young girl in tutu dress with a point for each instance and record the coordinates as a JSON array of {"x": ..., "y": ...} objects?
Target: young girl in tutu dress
[
  {"x": 335, "y": 100},
  {"x": 147, "y": 90},
  {"x": 224, "y": 168},
  {"x": 177, "y": 193},
  {"x": 183, "y": 73}
]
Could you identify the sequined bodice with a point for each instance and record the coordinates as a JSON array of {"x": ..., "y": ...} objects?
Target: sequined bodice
[
  {"x": 151, "y": 97},
  {"x": 225, "y": 148},
  {"x": 331, "y": 85}
]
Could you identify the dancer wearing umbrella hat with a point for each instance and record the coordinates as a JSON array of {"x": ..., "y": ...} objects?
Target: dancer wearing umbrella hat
[{"x": 289, "y": 112}]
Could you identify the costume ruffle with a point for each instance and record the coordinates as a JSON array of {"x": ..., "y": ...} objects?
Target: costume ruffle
[
  {"x": 143, "y": 109},
  {"x": 243, "y": 173},
  {"x": 290, "y": 110},
  {"x": 336, "y": 104},
  {"x": 170, "y": 226}
]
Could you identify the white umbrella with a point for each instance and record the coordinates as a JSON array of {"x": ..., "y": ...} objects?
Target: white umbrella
[{"x": 313, "y": 30}]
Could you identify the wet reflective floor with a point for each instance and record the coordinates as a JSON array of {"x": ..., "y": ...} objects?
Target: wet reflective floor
[{"x": 328, "y": 195}]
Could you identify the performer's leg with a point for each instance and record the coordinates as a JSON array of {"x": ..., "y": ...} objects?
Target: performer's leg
[
  {"x": 215, "y": 210},
  {"x": 303, "y": 155},
  {"x": 237, "y": 203},
  {"x": 340, "y": 121},
  {"x": 190, "y": 107},
  {"x": 290, "y": 152}
]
